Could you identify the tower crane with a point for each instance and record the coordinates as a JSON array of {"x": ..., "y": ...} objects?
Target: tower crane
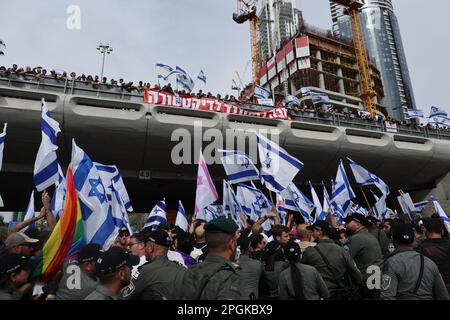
[
  {"x": 246, "y": 11},
  {"x": 368, "y": 93}
]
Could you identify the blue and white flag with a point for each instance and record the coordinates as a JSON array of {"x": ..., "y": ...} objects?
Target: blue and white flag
[
  {"x": 420, "y": 206},
  {"x": 295, "y": 200},
  {"x": 363, "y": 113},
  {"x": 110, "y": 174},
  {"x": 231, "y": 205},
  {"x": 163, "y": 71},
  {"x": 181, "y": 220},
  {"x": 291, "y": 101},
  {"x": 119, "y": 214},
  {"x": 59, "y": 196},
  {"x": 211, "y": 212},
  {"x": 201, "y": 76},
  {"x": 99, "y": 226},
  {"x": 415, "y": 114},
  {"x": 46, "y": 164},
  {"x": 356, "y": 208},
  {"x": 238, "y": 166},
  {"x": 323, "y": 98},
  {"x": 30, "y": 213},
  {"x": 326, "y": 203},
  {"x": 278, "y": 168},
  {"x": 441, "y": 213},
  {"x": 253, "y": 202},
  {"x": 319, "y": 215},
  {"x": 380, "y": 209},
  {"x": 305, "y": 92},
  {"x": 261, "y": 92},
  {"x": 342, "y": 193},
  {"x": 437, "y": 112},
  {"x": 363, "y": 177},
  {"x": 157, "y": 215},
  {"x": 2, "y": 146},
  {"x": 184, "y": 80}
]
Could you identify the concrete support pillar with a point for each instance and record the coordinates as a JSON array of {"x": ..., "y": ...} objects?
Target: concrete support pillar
[
  {"x": 340, "y": 75},
  {"x": 441, "y": 192},
  {"x": 320, "y": 69}
]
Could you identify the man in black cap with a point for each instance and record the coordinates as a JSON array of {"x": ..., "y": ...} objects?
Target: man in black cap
[
  {"x": 14, "y": 272},
  {"x": 409, "y": 275},
  {"x": 436, "y": 247},
  {"x": 217, "y": 278},
  {"x": 380, "y": 235},
  {"x": 78, "y": 278},
  {"x": 251, "y": 269},
  {"x": 333, "y": 262},
  {"x": 113, "y": 268},
  {"x": 159, "y": 278}
]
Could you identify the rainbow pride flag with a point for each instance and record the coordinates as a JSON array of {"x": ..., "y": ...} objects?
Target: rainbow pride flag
[{"x": 66, "y": 239}]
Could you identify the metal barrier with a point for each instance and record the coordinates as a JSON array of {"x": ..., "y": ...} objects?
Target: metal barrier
[{"x": 107, "y": 91}]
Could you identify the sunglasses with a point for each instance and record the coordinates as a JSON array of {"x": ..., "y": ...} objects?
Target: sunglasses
[{"x": 124, "y": 235}]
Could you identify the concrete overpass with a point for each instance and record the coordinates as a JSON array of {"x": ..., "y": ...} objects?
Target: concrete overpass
[{"x": 119, "y": 129}]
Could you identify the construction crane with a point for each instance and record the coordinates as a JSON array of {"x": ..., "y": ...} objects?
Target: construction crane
[
  {"x": 368, "y": 93},
  {"x": 246, "y": 11}
]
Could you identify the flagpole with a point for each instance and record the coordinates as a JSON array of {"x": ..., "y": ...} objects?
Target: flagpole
[{"x": 367, "y": 201}]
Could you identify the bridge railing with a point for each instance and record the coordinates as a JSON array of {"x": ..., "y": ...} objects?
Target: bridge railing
[{"x": 107, "y": 91}]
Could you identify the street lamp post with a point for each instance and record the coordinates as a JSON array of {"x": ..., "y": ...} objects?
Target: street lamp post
[{"x": 104, "y": 50}]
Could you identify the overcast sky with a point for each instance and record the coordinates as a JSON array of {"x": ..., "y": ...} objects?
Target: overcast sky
[{"x": 196, "y": 34}]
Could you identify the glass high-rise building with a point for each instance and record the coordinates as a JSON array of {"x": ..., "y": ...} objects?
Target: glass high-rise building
[{"x": 385, "y": 47}]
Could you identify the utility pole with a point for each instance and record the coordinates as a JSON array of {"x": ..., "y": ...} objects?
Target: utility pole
[{"x": 104, "y": 50}]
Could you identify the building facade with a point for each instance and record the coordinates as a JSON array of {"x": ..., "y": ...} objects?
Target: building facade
[{"x": 385, "y": 47}]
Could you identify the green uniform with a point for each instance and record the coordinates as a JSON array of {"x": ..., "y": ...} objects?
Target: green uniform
[
  {"x": 10, "y": 294},
  {"x": 102, "y": 293},
  {"x": 216, "y": 278},
  {"x": 382, "y": 239},
  {"x": 341, "y": 264},
  {"x": 365, "y": 250},
  {"x": 401, "y": 278},
  {"x": 271, "y": 280},
  {"x": 314, "y": 288},
  {"x": 157, "y": 280},
  {"x": 87, "y": 284},
  {"x": 251, "y": 272}
]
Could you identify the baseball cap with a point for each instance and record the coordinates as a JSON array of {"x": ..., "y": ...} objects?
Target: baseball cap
[
  {"x": 124, "y": 231},
  {"x": 403, "y": 233},
  {"x": 14, "y": 262},
  {"x": 320, "y": 226},
  {"x": 17, "y": 238},
  {"x": 291, "y": 250},
  {"x": 221, "y": 225},
  {"x": 89, "y": 253},
  {"x": 358, "y": 218},
  {"x": 434, "y": 225},
  {"x": 371, "y": 220},
  {"x": 113, "y": 259},
  {"x": 160, "y": 237}
]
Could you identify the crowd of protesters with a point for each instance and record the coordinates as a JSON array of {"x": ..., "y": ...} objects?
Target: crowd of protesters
[
  {"x": 218, "y": 260},
  {"x": 39, "y": 74}
]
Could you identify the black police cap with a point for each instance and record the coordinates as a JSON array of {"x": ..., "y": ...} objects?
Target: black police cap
[
  {"x": 113, "y": 259},
  {"x": 403, "y": 233},
  {"x": 89, "y": 253},
  {"x": 160, "y": 237},
  {"x": 13, "y": 262},
  {"x": 358, "y": 218}
]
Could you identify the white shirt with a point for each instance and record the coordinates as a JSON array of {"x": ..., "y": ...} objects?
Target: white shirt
[{"x": 135, "y": 271}]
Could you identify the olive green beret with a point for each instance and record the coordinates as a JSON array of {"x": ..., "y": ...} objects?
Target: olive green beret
[{"x": 221, "y": 225}]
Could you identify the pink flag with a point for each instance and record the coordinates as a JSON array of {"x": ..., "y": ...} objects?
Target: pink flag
[{"x": 206, "y": 192}]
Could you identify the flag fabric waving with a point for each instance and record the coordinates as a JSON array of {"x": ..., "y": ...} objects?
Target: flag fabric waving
[
  {"x": 253, "y": 202},
  {"x": 109, "y": 175},
  {"x": 46, "y": 164},
  {"x": 201, "y": 76},
  {"x": 181, "y": 220},
  {"x": 2, "y": 146},
  {"x": 363, "y": 177},
  {"x": 441, "y": 213},
  {"x": 278, "y": 168},
  {"x": 206, "y": 191},
  {"x": 261, "y": 92},
  {"x": 67, "y": 237},
  {"x": 295, "y": 200},
  {"x": 30, "y": 213},
  {"x": 238, "y": 166},
  {"x": 319, "y": 210},
  {"x": 157, "y": 215},
  {"x": 59, "y": 197},
  {"x": 342, "y": 193}
]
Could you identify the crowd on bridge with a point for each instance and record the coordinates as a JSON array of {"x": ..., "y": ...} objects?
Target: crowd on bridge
[{"x": 218, "y": 260}]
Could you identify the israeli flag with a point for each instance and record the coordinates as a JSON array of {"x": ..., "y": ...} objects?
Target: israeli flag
[
  {"x": 2, "y": 146},
  {"x": 231, "y": 205},
  {"x": 363, "y": 177},
  {"x": 356, "y": 208},
  {"x": 380, "y": 209},
  {"x": 238, "y": 166},
  {"x": 291, "y": 101},
  {"x": 98, "y": 221},
  {"x": 261, "y": 92},
  {"x": 282, "y": 211},
  {"x": 363, "y": 112},
  {"x": 319, "y": 215},
  {"x": 342, "y": 193},
  {"x": 46, "y": 164},
  {"x": 278, "y": 168},
  {"x": 181, "y": 220},
  {"x": 441, "y": 213},
  {"x": 415, "y": 114},
  {"x": 30, "y": 213},
  {"x": 420, "y": 206},
  {"x": 326, "y": 204},
  {"x": 157, "y": 215},
  {"x": 109, "y": 175},
  {"x": 437, "y": 112},
  {"x": 163, "y": 71},
  {"x": 59, "y": 197},
  {"x": 201, "y": 76},
  {"x": 295, "y": 200},
  {"x": 305, "y": 92},
  {"x": 184, "y": 80},
  {"x": 119, "y": 214},
  {"x": 253, "y": 202}
]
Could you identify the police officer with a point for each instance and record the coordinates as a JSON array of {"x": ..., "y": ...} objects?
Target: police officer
[
  {"x": 14, "y": 272},
  {"x": 217, "y": 277},
  {"x": 113, "y": 268},
  {"x": 251, "y": 270},
  {"x": 159, "y": 278},
  {"x": 380, "y": 235},
  {"x": 409, "y": 275},
  {"x": 84, "y": 268},
  {"x": 300, "y": 281},
  {"x": 333, "y": 262}
]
